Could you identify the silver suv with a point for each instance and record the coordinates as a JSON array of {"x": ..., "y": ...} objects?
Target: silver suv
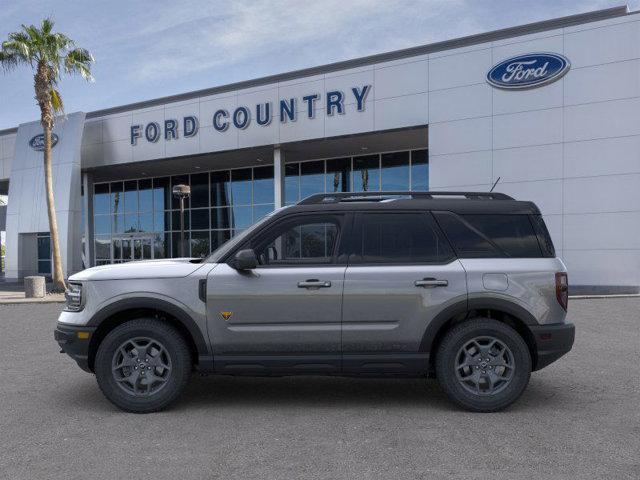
[{"x": 463, "y": 286}]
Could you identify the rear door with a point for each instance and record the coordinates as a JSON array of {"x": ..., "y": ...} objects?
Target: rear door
[{"x": 401, "y": 274}]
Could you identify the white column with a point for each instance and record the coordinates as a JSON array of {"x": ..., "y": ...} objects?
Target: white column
[
  {"x": 87, "y": 186},
  {"x": 278, "y": 177}
]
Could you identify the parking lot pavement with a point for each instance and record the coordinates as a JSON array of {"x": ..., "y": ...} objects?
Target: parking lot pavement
[{"x": 579, "y": 418}]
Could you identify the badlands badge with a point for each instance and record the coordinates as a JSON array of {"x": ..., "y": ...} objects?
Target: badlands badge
[{"x": 226, "y": 315}]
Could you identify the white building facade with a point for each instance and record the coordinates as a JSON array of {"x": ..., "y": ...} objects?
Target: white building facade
[{"x": 551, "y": 109}]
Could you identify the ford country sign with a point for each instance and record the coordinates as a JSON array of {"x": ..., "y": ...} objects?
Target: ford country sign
[
  {"x": 37, "y": 142},
  {"x": 528, "y": 71}
]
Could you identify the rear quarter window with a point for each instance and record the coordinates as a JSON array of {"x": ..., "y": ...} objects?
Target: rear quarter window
[{"x": 491, "y": 235}]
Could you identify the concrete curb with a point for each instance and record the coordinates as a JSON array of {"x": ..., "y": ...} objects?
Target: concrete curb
[{"x": 52, "y": 298}]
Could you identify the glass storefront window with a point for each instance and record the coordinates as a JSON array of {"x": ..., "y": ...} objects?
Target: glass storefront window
[
  {"x": 220, "y": 189},
  {"x": 291, "y": 183},
  {"x": 420, "y": 170},
  {"x": 311, "y": 178},
  {"x": 101, "y": 199},
  {"x": 263, "y": 185},
  {"x": 366, "y": 173},
  {"x": 395, "y": 171},
  {"x": 338, "y": 175},
  {"x": 145, "y": 195},
  {"x": 179, "y": 180},
  {"x": 241, "y": 186},
  {"x": 200, "y": 190},
  {"x": 224, "y": 203}
]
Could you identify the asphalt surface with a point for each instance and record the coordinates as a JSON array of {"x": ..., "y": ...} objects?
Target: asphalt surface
[{"x": 579, "y": 418}]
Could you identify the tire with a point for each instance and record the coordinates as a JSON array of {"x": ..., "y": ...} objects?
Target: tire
[
  {"x": 143, "y": 365},
  {"x": 491, "y": 385}
]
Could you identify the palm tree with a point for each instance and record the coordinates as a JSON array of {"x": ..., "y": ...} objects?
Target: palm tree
[{"x": 47, "y": 53}]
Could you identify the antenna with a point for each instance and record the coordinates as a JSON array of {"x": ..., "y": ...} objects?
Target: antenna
[{"x": 494, "y": 185}]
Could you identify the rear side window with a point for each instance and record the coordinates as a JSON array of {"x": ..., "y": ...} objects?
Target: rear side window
[
  {"x": 544, "y": 239},
  {"x": 395, "y": 238},
  {"x": 491, "y": 235}
]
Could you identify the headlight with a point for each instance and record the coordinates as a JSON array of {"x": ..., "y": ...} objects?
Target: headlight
[{"x": 73, "y": 295}]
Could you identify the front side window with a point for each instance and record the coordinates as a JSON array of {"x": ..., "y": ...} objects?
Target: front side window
[
  {"x": 301, "y": 241},
  {"x": 398, "y": 238}
]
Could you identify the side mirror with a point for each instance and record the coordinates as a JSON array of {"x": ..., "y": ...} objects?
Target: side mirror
[{"x": 245, "y": 260}]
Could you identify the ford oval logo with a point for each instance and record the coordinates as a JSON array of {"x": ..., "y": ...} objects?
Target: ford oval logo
[
  {"x": 37, "y": 142},
  {"x": 528, "y": 71}
]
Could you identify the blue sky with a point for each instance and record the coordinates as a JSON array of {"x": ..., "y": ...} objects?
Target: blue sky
[{"x": 145, "y": 50}]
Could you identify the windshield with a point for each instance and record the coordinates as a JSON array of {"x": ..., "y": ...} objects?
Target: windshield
[{"x": 230, "y": 244}]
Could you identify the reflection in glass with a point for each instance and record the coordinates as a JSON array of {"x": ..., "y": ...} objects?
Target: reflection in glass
[
  {"x": 160, "y": 245},
  {"x": 116, "y": 197},
  {"x": 338, "y": 175},
  {"x": 311, "y": 178},
  {"x": 263, "y": 185},
  {"x": 200, "y": 219},
  {"x": 395, "y": 171},
  {"x": 292, "y": 183},
  {"x": 130, "y": 196},
  {"x": 241, "y": 186},
  {"x": 218, "y": 237},
  {"x": 145, "y": 195},
  {"x": 145, "y": 222},
  {"x": 102, "y": 224},
  {"x": 101, "y": 199},
  {"x": 161, "y": 221},
  {"x": 199, "y": 244},
  {"x": 200, "y": 190},
  {"x": 220, "y": 218},
  {"x": 366, "y": 173},
  {"x": 242, "y": 217},
  {"x": 260, "y": 211},
  {"x": 131, "y": 222},
  {"x": 102, "y": 247},
  {"x": 175, "y": 220},
  {"x": 420, "y": 170},
  {"x": 118, "y": 223},
  {"x": 220, "y": 189},
  {"x": 161, "y": 194}
]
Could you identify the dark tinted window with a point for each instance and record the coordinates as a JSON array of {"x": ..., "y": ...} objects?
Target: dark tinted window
[
  {"x": 399, "y": 238},
  {"x": 306, "y": 240},
  {"x": 490, "y": 235},
  {"x": 544, "y": 239}
]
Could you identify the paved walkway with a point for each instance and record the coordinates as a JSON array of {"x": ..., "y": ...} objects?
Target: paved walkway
[{"x": 15, "y": 294}]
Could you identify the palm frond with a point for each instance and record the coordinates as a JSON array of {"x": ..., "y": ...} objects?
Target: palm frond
[
  {"x": 79, "y": 60},
  {"x": 56, "y": 101}
]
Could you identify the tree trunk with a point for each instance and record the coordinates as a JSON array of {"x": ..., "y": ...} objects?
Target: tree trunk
[
  {"x": 42, "y": 85},
  {"x": 58, "y": 277}
]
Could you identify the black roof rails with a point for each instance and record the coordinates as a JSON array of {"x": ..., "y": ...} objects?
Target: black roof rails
[{"x": 378, "y": 196}]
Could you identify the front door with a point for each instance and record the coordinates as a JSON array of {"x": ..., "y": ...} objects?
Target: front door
[
  {"x": 285, "y": 314},
  {"x": 401, "y": 274}
]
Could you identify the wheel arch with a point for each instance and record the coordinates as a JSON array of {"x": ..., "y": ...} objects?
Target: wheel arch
[
  {"x": 504, "y": 311},
  {"x": 117, "y": 313}
]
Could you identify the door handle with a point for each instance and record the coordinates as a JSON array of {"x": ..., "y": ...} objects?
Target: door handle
[
  {"x": 314, "y": 283},
  {"x": 431, "y": 283}
]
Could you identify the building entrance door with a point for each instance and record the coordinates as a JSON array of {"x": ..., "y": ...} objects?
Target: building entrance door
[{"x": 128, "y": 248}]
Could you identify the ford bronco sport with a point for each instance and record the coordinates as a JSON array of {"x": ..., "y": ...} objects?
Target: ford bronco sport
[{"x": 463, "y": 286}]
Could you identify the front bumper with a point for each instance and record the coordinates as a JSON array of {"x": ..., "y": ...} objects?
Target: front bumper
[
  {"x": 552, "y": 342},
  {"x": 74, "y": 341}
]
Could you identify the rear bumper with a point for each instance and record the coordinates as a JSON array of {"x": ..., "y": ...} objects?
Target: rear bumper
[
  {"x": 552, "y": 342},
  {"x": 74, "y": 345}
]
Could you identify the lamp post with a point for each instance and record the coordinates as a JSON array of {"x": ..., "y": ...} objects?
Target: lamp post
[{"x": 181, "y": 192}]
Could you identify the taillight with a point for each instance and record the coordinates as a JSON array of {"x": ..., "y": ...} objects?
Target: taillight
[{"x": 562, "y": 289}]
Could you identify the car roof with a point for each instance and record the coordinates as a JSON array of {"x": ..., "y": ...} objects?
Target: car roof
[{"x": 456, "y": 202}]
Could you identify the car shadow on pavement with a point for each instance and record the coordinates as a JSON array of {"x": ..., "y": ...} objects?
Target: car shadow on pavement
[{"x": 222, "y": 392}]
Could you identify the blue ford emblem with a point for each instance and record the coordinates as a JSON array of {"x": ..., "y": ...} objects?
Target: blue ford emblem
[
  {"x": 37, "y": 142},
  {"x": 528, "y": 71}
]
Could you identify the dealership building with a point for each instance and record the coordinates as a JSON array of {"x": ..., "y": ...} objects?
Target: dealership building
[{"x": 550, "y": 111}]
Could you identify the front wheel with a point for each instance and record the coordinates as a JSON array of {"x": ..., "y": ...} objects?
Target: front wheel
[
  {"x": 143, "y": 365},
  {"x": 483, "y": 365}
]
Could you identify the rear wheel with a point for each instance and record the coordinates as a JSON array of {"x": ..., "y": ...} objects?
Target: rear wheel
[
  {"x": 143, "y": 365},
  {"x": 483, "y": 365}
]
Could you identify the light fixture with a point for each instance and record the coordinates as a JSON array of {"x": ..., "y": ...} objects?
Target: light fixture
[
  {"x": 364, "y": 149},
  {"x": 197, "y": 167}
]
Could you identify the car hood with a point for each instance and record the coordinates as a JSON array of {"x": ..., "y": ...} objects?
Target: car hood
[{"x": 174, "y": 268}]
